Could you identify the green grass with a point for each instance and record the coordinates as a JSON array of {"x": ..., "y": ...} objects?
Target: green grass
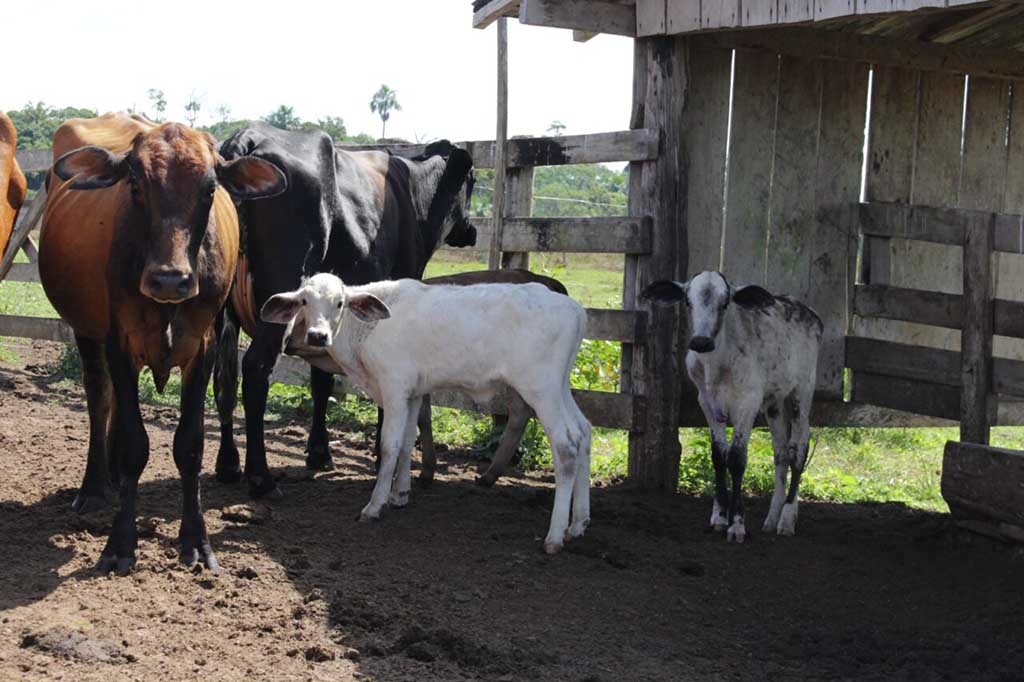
[{"x": 847, "y": 465}]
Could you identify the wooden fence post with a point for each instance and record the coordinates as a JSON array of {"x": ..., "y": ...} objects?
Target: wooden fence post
[
  {"x": 518, "y": 204},
  {"x": 500, "y": 148},
  {"x": 658, "y": 192},
  {"x": 976, "y": 334}
]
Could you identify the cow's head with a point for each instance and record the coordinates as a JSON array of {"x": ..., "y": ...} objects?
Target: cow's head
[
  {"x": 316, "y": 308},
  {"x": 450, "y": 207},
  {"x": 707, "y": 297},
  {"x": 173, "y": 173}
]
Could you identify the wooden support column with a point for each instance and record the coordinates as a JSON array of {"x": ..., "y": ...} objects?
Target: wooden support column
[
  {"x": 518, "y": 204},
  {"x": 658, "y": 190},
  {"x": 500, "y": 147},
  {"x": 976, "y": 415}
]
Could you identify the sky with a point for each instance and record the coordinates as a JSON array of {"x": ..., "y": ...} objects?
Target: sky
[{"x": 322, "y": 58}]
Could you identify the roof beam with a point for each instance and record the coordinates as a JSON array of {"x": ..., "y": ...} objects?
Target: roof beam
[
  {"x": 494, "y": 10},
  {"x": 596, "y": 16}
]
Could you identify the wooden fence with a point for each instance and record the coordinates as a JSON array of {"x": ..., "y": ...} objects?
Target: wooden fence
[{"x": 521, "y": 235}]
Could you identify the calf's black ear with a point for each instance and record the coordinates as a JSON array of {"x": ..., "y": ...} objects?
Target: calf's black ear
[
  {"x": 664, "y": 291},
  {"x": 753, "y": 296},
  {"x": 281, "y": 308},
  {"x": 91, "y": 167}
]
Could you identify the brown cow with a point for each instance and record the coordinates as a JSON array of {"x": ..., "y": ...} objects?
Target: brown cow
[
  {"x": 519, "y": 412},
  {"x": 139, "y": 267},
  {"x": 12, "y": 181}
]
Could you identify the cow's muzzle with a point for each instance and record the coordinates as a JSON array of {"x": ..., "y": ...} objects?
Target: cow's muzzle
[
  {"x": 702, "y": 344},
  {"x": 169, "y": 285},
  {"x": 316, "y": 339}
]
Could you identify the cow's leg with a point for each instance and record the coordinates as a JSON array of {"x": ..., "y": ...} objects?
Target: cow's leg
[
  {"x": 376, "y": 442},
  {"x": 225, "y": 390},
  {"x": 736, "y": 459},
  {"x": 402, "y": 486},
  {"x": 392, "y": 437},
  {"x": 719, "y": 450},
  {"x": 426, "y": 427},
  {"x": 581, "y": 485},
  {"x": 519, "y": 414},
  {"x": 318, "y": 449},
  {"x": 799, "y": 441},
  {"x": 257, "y": 365},
  {"x": 779, "y": 425},
  {"x": 96, "y": 492},
  {"x": 565, "y": 438},
  {"x": 193, "y": 539},
  {"x": 132, "y": 452}
]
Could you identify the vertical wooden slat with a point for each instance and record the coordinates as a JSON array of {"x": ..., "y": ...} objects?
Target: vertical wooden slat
[
  {"x": 755, "y": 94},
  {"x": 650, "y": 17},
  {"x": 682, "y": 16},
  {"x": 762, "y": 13},
  {"x": 792, "y": 11},
  {"x": 705, "y": 126},
  {"x": 636, "y": 207},
  {"x": 518, "y": 203},
  {"x": 719, "y": 13},
  {"x": 1009, "y": 268},
  {"x": 976, "y": 339},
  {"x": 836, "y": 189},
  {"x": 791, "y": 209},
  {"x": 654, "y": 453},
  {"x": 501, "y": 147}
]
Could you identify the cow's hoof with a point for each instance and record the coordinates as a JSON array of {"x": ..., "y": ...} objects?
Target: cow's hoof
[
  {"x": 122, "y": 565},
  {"x": 190, "y": 556},
  {"x": 86, "y": 504},
  {"x": 369, "y": 515},
  {"x": 552, "y": 547},
  {"x": 736, "y": 533},
  {"x": 578, "y": 528},
  {"x": 787, "y": 521},
  {"x": 399, "y": 500},
  {"x": 318, "y": 458},
  {"x": 264, "y": 488},
  {"x": 229, "y": 476}
]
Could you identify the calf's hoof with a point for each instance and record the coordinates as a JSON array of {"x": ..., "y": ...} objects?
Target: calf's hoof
[
  {"x": 192, "y": 554},
  {"x": 787, "y": 521},
  {"x": 718, "y": 520},
  {"x": 318, "y": 458},
  {"x": 229, "y": 475},
  {"x": 578, "y": 528},
  {"x": 87, "y": 503},
  {"x": 399, "y": 499},
  {"x": 369, "y": 515},
  {"x": 121, "y": 565},
  {"x": 264, "y": 488},
  {"x": 552, "y": 547},
  {"x": 737, "y": 532},
  {"x": 486, "y": 480},
  {"x": 770, "y": 523}
]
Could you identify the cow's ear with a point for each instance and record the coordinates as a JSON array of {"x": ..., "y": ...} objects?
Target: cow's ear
[
  {"x": 367, "y": 307},
  {"x": 457, "y": 170},
  {"x": 281, "y": 308},
  {"x": 91, "y": 167},
  {"x": 664, "y": 291},
  {"x": 249, "y": 177},
  {"x": 753, "y": 296}
]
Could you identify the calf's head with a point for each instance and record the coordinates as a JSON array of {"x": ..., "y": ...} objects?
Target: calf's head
[
  {"x": 707, "y": 298},
  {"x": 314, "y": 311},
  {"x": 173, "y": 172}
]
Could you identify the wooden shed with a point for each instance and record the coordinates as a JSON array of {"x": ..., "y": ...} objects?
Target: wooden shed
[{"x": 866, "y": 156}]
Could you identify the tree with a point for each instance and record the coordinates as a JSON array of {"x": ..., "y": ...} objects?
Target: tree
[
  {"x": 36, "y": 123},
  {"x": 284, "y": 118},
  {"x": 159, "y": 104},
  {"x": 192, "y": 108},
  {"x": 332, "y": 125},
  {"x": 556, "y": 128},
  {"x": 383, "y": 103}
]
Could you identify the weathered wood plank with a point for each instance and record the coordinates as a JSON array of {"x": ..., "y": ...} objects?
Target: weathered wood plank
[
  {"x": 922, "y": 223},
  {"x": 682, "y": 16},
  {"x": 583, "y": 15},
  {"x": 578, "y": 235},
  {"x": 810, "y": 42},
  {"x": 28, "y": 217},
  {"x": 500, "y": 150},
  {"x": 755, "y": 95},
  {"x": 833, "y": 250},
  {"x": 793, "y": 11},
  {"x": 981, "y": 482},
  {"x": 34, "y": 160},
  {"x": 976, "y": 413},
  {"x": 626, "y": 326},
  {"x": 919, "y": 397},
  {"x": 826, "y": 412},
  {"x": 23, "y": 272},
  {"x": 704, "y": 131},
  {"x": 40, "y": 328},
  {"x": 518, "y": 202},
  {"x": 719, "y": 14},
  {"x": 791, "y": 218},
  {"x": 763, "y": 13},
  {"x": 650, "y": 17},
  {"x": 910, "y": 305},
  {"x": 903, "y": 361},
  {"x": 830, "y": 9},
  {"x": 494, "y": 10}
]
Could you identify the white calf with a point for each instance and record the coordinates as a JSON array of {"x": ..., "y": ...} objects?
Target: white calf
[
  {"x": 401, "y": 340},
  {"x": 760, "y": 353}
]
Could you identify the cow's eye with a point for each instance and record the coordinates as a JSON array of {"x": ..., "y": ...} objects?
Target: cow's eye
[
  {"x": 339, "y": 305},
  {"x": 303, "y": 301}
]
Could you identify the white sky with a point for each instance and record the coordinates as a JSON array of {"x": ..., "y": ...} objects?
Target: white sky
[{"x": 321, "y": 57}]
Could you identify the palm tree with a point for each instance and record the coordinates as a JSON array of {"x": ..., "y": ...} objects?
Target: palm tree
[{"x": 384, "y": 101}]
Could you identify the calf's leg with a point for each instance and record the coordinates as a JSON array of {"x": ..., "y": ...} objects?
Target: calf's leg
[
  {"x": 799, "y": 442},
  {"x": 581, "y": 485},
  {"x": 719, "y": 450},
  {"x": 736, "y": 459},
  {"x": 318, "y": 449},
  {"x": 193, "y": 539},
  {"x": 257, "y": 365},
  {"x": 225, "y": 391},
  {"x": 779, "y": 424},
  {"x": 392, "y": 437},
  {"x": 400, "y": 490},
  {"x": 519, "y": 414},
  {"x": 566, "y": 440},
  {"x": 132, "y": 452},
  {"x": 96, "y": 492}
]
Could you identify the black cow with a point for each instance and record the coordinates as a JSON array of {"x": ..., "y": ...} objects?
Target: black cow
[{"x": 364, "y": 216}]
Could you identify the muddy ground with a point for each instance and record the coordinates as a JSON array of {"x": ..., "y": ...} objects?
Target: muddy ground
[{"x": 456, "y": 586}]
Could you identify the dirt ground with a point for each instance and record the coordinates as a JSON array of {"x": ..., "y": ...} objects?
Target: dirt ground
[{"x": 456, "y": 586}]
